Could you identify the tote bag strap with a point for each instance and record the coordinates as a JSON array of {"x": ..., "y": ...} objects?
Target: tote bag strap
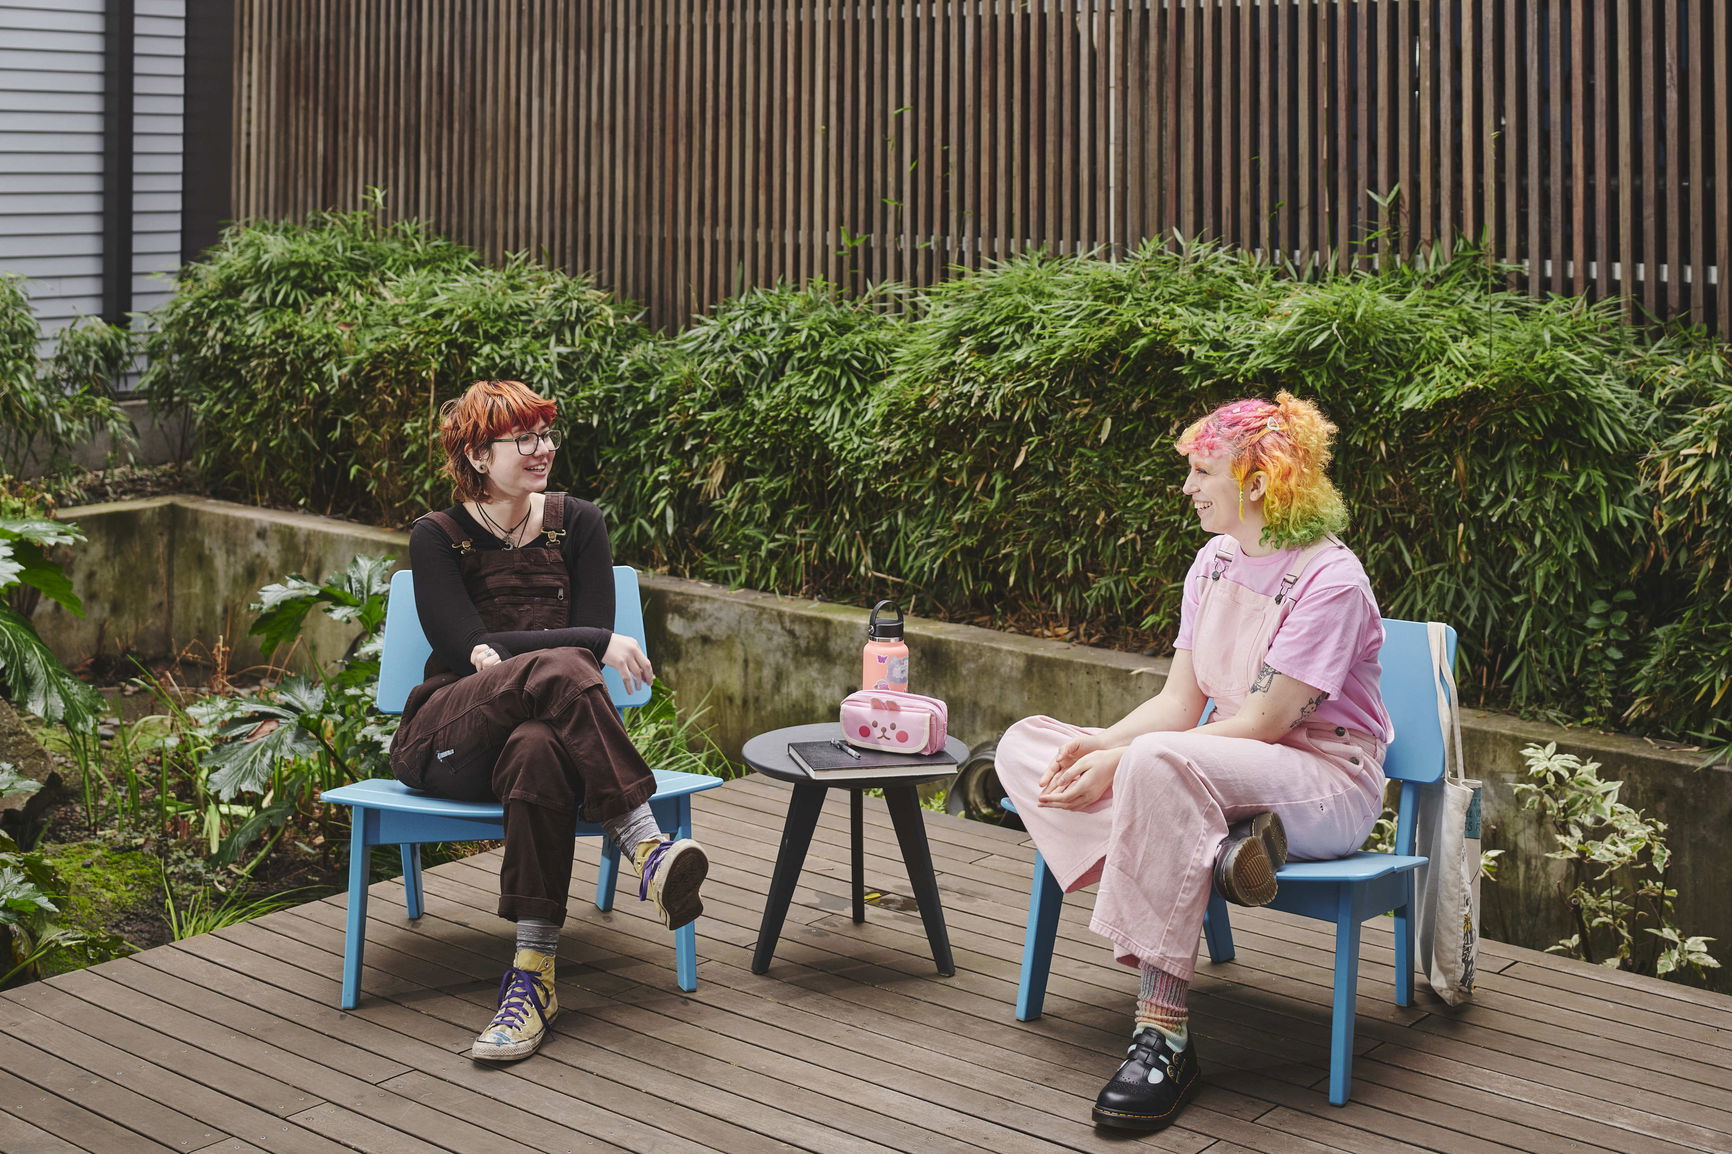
[{"x": 1448, "y": 707}]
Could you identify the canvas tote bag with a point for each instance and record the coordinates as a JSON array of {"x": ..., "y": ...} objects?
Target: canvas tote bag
[{"x": 1448, "y": 831}]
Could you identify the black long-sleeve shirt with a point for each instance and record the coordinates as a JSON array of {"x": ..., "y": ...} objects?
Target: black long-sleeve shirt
[{"x": 450, "y": 618}]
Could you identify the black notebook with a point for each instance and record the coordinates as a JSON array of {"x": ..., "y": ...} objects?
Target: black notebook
[{"x": 831, "y": 761}]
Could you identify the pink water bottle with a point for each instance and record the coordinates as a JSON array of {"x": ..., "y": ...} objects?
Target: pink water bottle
[{"x": 884, "y": 660}]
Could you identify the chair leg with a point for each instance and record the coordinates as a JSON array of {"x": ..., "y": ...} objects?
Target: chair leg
[
  {"x": 1404, "y": 948},
  {"x": 355, "y": 928},
  {"x": 686, "y": 937},
  {"x": 607, "y": 877},
  {"x": 413, "y": 898},
  {"x": 686, "y": 956},
  {"x": 1045, "y": 899},
  {"x": 1217, "y": 929},
  {"x": 1345, "y": 1005}
]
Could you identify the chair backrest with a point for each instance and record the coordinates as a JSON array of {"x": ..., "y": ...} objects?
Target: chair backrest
[
  {"x": 1410, "y": 685},
  {"x": 405, "y": 648}
]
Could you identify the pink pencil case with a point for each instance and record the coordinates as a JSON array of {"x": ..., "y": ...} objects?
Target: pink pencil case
[{"x": 889, "y": 719}]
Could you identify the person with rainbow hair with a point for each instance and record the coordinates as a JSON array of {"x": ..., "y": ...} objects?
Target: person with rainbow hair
[{"x": 1279, "y": 627}]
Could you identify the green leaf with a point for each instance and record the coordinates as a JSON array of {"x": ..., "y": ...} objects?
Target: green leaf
[
  {"x": 35, "y": 679},
  {"x": 263, "y": 734},
  {"x": 15, "y": 784},
  {"x": 20, "y": 897},
  {"x": 36, "y": 570}
]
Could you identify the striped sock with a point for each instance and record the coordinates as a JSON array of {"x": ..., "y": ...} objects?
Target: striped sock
[
  {"x": 537, "y": 936},
  {"x": 630, "y": 830},
  {"x": 1161, "y": 1003}
]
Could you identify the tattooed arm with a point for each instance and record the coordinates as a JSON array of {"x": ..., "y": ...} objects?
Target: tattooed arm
[{"x": 1275, "y": 704}]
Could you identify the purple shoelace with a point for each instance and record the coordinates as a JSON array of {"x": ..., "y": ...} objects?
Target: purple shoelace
[
  {"x": 650, "y": 865},
  {"x": 514, "y": 988}
]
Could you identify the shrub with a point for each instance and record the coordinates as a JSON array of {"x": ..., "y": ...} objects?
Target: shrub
[
  {"x": 1027, "y": 434},
  {"x": 313, "y": 356},
  {"x": 45, "y": 410},
  {"x": 1686, "y": 671},
  {"x": 738, "y": 449},
  {"x": 1618, "y": 864}
]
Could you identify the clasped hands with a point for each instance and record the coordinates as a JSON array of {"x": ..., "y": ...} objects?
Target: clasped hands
[
  {"x": 1081, "y": 773},
  {"x": 623, "y": 653}
]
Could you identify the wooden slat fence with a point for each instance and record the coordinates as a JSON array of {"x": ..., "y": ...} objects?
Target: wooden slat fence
[{"x": 682, "y": 150}]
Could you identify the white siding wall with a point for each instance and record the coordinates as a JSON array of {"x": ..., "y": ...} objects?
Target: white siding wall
[{"x": 51, "y": 89}]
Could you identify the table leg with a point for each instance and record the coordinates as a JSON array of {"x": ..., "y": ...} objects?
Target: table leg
[
  {"x": 857, "y": 838},
  {"x": 803, "y": 809},
  {"x": 903, "y": 801}
]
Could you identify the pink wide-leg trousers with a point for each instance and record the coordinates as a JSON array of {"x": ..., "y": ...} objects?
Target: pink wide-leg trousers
[{"x": 1151, "y": 843}]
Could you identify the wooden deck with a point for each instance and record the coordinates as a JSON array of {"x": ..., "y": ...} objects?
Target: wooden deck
[{"x": 231, "y": 1042}]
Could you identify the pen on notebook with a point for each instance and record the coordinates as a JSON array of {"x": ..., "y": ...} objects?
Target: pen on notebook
[{"x": 846, "y": 748}]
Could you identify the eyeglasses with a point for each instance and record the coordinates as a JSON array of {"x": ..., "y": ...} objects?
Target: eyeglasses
[{"x": 528, "y": 443}]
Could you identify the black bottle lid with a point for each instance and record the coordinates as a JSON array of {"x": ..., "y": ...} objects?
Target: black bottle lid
[{"x": 877, "y": 630}]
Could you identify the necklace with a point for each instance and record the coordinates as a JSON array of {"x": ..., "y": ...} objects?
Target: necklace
[{"x": 504, "y": 534}]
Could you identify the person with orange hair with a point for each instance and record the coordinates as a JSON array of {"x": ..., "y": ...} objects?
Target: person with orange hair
[
  {"x": 1279, "y": 627},
  {"x": 514, "y": 588}
]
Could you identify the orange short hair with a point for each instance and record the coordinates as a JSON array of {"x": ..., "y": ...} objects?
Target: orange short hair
[{"x": 487, "y": 409}]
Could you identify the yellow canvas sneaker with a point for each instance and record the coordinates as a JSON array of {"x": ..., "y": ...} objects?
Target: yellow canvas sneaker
[
  {"x": 527, "y": 1006},
  {"x": 672, "y": 872}
]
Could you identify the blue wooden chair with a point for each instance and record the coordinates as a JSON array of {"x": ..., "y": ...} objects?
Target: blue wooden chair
[
  {"x": 1346, "y": 892},
  {"x": 386, "y": 812}
]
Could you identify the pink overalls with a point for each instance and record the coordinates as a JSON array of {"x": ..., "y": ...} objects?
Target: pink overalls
[{"x": 1152, "y": 841}]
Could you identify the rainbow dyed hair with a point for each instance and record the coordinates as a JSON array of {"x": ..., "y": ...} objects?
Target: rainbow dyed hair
[
  {"x": 1287, "y": 440},
  {"x": 487, "y": 409}
]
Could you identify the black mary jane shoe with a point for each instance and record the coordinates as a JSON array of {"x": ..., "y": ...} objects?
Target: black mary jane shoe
[{"x": 1152, "y": 1085}]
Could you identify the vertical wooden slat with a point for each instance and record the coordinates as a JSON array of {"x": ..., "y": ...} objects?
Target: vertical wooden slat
[
  {"x": 1280, "y": 142},
  {"x": 1447, "y": 71},
  {"x": 1626, "y": 200},
  {"x": 1305, "y": 112},
  {"x": 1561, "y": 66},
  {"x": 1362, "y": 112},
  {"x": 1580, "y": 23},
  {"x": 1605, "y": 148},
  {"x": 1722, "y": 99},
  {"x": 1492, "y": 137},
  {"x": 1677, "y": 167},
  {"x": 1203, "y": 177},
  {"x": 1011, "y": 172},
  {"x": 1696, "y": 80},
  {"x": 1515, "y": 142},
  {"x": 1470, "y": 121},
  {"x": 1651, "y": 254},
  {"x": 838, "y": 169},
  {"x": 1247, "y": 89}
]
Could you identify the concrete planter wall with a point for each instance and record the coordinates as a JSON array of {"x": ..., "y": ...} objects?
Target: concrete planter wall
[{"x": 163, "y": 574}]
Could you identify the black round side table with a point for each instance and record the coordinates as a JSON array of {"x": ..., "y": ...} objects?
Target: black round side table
[{"x": 768, "y": 754}]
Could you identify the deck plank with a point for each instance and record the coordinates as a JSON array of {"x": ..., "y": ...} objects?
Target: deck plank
[{"x": 231, "y": 1042}]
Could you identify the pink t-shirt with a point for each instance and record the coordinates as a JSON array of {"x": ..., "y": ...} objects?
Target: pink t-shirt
[{"x": 1330, "y": 638}]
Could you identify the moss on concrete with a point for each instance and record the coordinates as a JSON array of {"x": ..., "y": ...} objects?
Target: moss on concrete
[{"x": 107, "y": 889}]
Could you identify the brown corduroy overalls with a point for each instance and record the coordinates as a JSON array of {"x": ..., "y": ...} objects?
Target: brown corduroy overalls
[{"x": 536, "y": 731}]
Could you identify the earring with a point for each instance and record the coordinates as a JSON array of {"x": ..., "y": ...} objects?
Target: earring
[{"x": 1241, "y": 503}]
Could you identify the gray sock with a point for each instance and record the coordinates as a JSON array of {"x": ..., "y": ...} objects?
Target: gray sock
[
  {"x": 630, "y": 829},
  {"x": 538, "y": 935}
]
